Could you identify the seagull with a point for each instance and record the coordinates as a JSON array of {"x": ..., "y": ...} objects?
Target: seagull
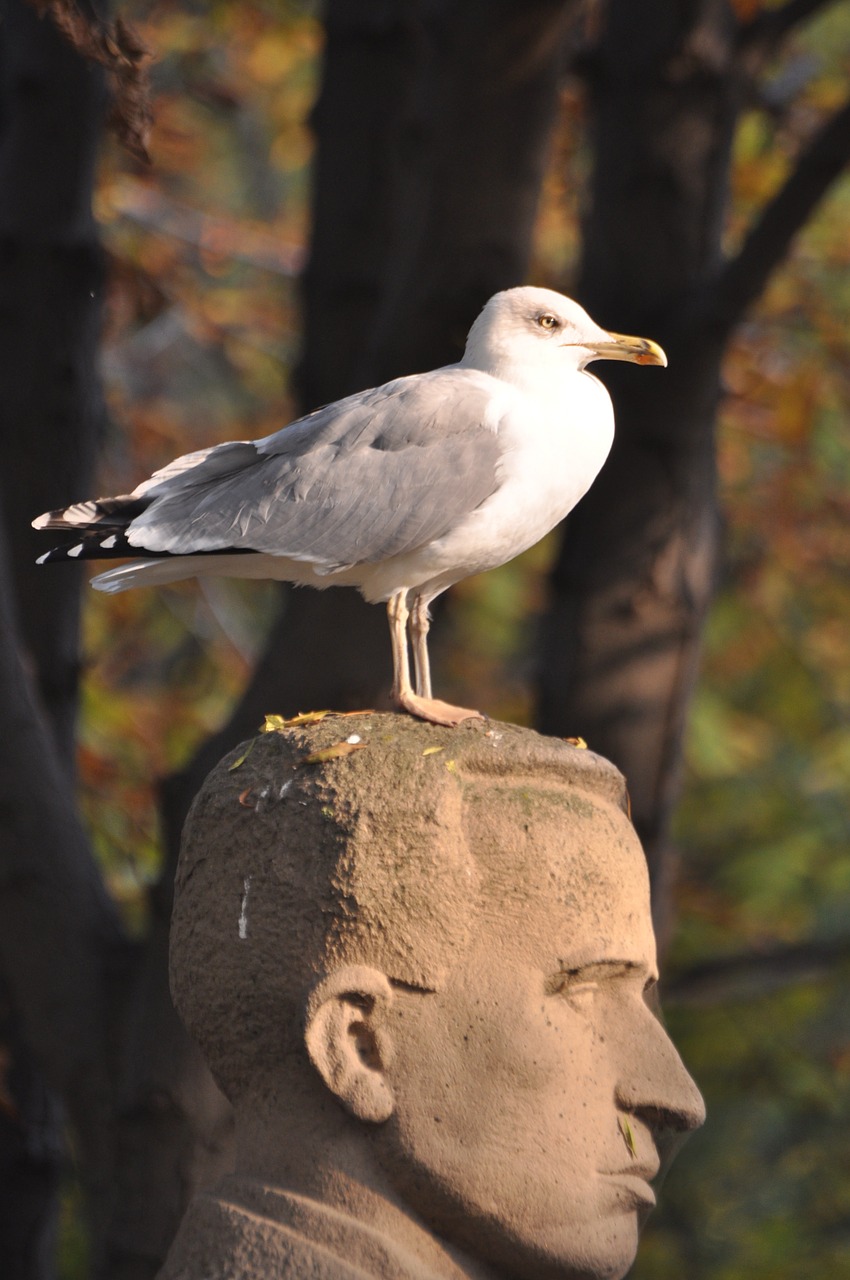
[{"x": 400, "y": 491}]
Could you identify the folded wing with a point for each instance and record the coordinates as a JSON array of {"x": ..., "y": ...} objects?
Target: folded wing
[{"x": 361, "y": 480}]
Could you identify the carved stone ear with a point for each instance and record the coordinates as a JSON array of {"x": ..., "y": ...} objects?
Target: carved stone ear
[{"x": 347, "y": 1040}]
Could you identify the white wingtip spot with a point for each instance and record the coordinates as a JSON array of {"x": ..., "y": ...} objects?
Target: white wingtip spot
[
  {"x": 41, "y": 522},
  {"x": 75, "y": 551},
  {"x": 109, "y": 543},
  {"x": 43, "y": 559}
]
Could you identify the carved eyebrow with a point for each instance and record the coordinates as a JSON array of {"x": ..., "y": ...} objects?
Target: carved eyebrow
[{"x": 598, "y": 971}]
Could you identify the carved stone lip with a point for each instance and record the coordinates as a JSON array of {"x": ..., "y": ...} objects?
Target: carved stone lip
[{"x": 636, "y": 1183}]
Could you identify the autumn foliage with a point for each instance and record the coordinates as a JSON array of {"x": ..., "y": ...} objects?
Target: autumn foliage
[{"x": 204, "y": 249}]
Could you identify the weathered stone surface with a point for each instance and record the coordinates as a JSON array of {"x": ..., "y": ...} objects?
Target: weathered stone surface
[{"x": 418, "y": 970}]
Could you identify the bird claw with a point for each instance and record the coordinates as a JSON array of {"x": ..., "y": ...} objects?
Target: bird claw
[{"x": 434, "y": 711}]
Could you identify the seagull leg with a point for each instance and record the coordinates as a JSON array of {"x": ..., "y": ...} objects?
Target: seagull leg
[
  {"x": 419, "y": 626},
  {"x": 426, "y": 708},
  {"x": 398, "y": 613}
]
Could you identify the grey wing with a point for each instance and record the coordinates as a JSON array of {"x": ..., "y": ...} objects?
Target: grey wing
[{"x": 364, "y": 479}]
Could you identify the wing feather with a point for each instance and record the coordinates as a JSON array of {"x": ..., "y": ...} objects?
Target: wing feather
[{"x": 367, "y": 478}]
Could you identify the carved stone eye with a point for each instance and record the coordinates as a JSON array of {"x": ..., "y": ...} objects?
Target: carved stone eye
[{"x": 549, "y": 322}]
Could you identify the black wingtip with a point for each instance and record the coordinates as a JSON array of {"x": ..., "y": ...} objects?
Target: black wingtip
[{"x": 101, "y": 545}]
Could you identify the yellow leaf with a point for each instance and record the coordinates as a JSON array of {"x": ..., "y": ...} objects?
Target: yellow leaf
[
  {"x": 432, "y": 751},
  {"x": 277, "y": 724},
  {"x": 577, "y": 742},
  {"x": 273, "y": 724},
  {"x": 332, "y": 753},
  {"x": 626, "y": 1130}
]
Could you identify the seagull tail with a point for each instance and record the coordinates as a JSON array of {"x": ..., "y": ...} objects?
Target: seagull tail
[{"x": 145, "y": 573}]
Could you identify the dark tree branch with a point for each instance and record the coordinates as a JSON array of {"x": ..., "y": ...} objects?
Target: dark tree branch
[
  {"x": 116, "y": 47},
  {"x": 749, "y": 975},
  {"x": 743, "y": 279}
]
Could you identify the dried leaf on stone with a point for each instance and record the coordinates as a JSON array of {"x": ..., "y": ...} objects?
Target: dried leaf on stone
[
  {"x": 332, "y": 753},
  {"x": 244, "y": 798},
  {"x": 273, "y": 724},
  {"x": 244, "y": 756},
  {"x": 577, "y": 742},
  {"x": 277, "y": 724}
]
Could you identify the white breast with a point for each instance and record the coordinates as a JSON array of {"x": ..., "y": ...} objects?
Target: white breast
[{"x": 554, "y": 447}]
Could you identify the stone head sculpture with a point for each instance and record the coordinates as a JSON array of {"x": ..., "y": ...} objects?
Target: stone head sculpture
[{"x": 422, "y": 973}]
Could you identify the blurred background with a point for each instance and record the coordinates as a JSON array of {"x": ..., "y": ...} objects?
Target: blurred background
[{"x": 332, "y": 193}]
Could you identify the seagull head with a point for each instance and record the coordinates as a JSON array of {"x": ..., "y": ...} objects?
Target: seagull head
[{"x": 526, "y": 334}]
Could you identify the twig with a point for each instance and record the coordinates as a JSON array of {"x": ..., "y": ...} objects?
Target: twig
[
  {"x": 744, "y": 277},
  {"x": 116, "y": 47},
  {"x": 749, "y": 975}
]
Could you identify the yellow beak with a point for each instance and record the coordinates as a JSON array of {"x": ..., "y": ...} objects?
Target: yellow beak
[{"x": 637, "y": 350}]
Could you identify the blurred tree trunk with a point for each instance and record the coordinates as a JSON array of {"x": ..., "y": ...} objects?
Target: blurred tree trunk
[
  {"x": 51, "y": 284},
  {"x": 53, "y": 963},
  {"x": 638, "y": 562},
  {"x": 30, "y": 1156},
  {"x": 433, "y": 131},
  {"x": 64, "y": 961}
]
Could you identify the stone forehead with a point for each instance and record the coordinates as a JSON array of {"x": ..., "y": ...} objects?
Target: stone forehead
[{"x": 385, "y": 832}]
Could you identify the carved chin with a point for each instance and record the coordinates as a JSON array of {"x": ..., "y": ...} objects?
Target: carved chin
[{"x": 596, "y": 1239}]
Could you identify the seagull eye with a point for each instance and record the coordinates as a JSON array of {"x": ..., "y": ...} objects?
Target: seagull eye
[{"x": 548, "y": 322}]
